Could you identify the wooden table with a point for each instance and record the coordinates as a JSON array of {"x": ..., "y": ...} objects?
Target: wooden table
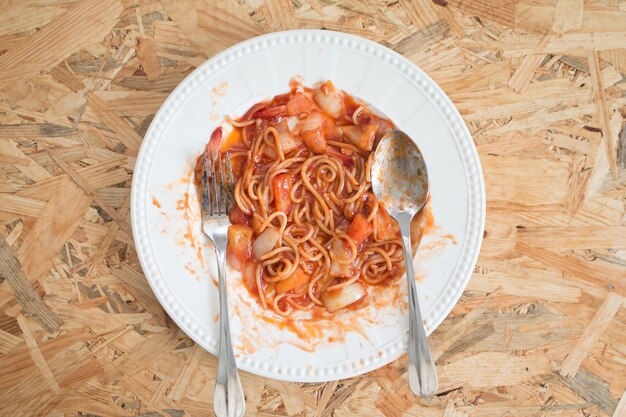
[{"x": 539, "y": 330}]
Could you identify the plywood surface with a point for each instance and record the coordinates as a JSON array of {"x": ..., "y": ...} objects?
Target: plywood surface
[{"x": 541, "y": 328}]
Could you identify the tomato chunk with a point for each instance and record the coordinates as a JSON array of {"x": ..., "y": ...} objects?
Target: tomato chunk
[
  {"x": 237, "y": 216},
  {"x": 385, "y": 228},
  {"x": 299, "y": 103},
  {"x": 298, "y": 278},
  {"x": 361, "y": 136},
  {"x": 331, "y": 130},
  {"x": 238, "y": 249},
  {"x": 282, "y": 187},
  {"x": 315, "y": 140},
  {"x": 312, "y": 132},
  {"x": 360, "y": 229}
]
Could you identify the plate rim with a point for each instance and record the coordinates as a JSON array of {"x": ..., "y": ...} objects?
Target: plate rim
[{"x": 432, "y": 91}]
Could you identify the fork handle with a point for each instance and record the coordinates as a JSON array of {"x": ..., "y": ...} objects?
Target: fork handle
[{"x": 228, "y": 400}]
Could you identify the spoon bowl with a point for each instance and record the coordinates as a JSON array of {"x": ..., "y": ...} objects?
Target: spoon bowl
[
  {"x": 399, "y": 174},
  {"x": 400, "y": 183}
]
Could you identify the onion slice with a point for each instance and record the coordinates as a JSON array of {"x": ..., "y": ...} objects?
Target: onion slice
[
  {"x": 343, "y": 297},
  {"x": 265, "y": 243}
]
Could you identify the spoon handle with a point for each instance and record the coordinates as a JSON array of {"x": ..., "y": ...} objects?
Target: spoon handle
[{"x": 422, "y": 371}]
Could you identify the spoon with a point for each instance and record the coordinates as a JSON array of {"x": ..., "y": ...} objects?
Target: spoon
[{"x": 400, "y": 182}]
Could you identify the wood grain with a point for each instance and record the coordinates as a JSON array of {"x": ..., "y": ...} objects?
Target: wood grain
[
  {"x": 85, "y": 23},
  {"x": 592, "y": 332},
  {"x": 540, "y": 329},
  {"x": 603, "y": 112},
  {"x": 12, "y": 274}
]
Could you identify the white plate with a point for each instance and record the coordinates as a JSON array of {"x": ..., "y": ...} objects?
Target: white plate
[{"x": 168, "y": 237}]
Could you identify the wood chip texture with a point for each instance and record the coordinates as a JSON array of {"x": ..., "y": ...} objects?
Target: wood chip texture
[{"x": 540, "y": 329}]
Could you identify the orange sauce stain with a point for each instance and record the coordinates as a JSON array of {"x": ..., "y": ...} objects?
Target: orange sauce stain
[
  {"x": 183, "y": 203},
  {"x": 193, "y": 272},
  {"x": 312, "y": 332},
  {"x": 292, "y": 327},
  {"x": 199, "y": 254},
  {"x": 303, "y": 347},
  {"x": 247, "y": 345},
  {"x": 187, "y": 178},
  {"x": 281, "y": 324},
  {"x": 429, "y": 218},
  {"x": 436, "y": 246},
  {"x": 156, "y": 202},
  {"x": 189, "y": 238},
  {"x": 393, "y": 295},
  {"x": 220, "y": 90},
  {"x": 451, "y": 238}
]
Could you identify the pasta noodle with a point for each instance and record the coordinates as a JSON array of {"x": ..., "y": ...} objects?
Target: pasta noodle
[{"x": 307, "y": 232}]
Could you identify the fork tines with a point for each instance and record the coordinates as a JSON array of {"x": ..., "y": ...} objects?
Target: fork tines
[{"x": 217, "y": 185}]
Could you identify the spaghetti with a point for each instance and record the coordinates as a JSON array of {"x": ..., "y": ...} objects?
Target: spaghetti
[{"x": 307, "y": 232}]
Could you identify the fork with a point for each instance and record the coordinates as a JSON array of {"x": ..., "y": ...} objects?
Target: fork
[{"x": 217, "y": 200}]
